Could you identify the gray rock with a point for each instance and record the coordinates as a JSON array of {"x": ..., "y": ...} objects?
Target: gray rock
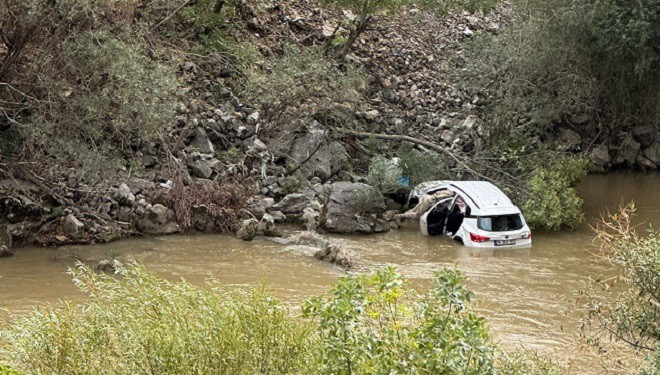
[
  {"x": 158, "y": 219},
  {"x": 72, "y": 226},
  {"x": 653, "y": 153},
  {"x": 569, "y": 139},
  {"x": 202, "y": 219},
  {"x": 5, "y": 236},
  {"x": 310, "y": 219},
  {"x": 600, "y": 158},
  {"x": 352, "y": 207},
  {"x": 247, "y": 230},
  {"x": 278, "y": 216},
  {"x": 327, "y": 161},
  {"x": 448, "y": 136},
  {"x": 335, "y": 254},
  {"x": 292, "y": 204},
  {"x": 253, "y": 118},
  {"x": 645, "y": 164},
  {"x": 149, "y": 161},
  {"x": 109, "y": 265},
  {"x": 124, "y": 196},
  {"x": 200, "y": 141},
  {"x": 646, "y": 135},
  {"x": 628, "y": 151},
  {"x": 201, "y": 168},
  {"x": 5, "y": 252},
  {"x": 267, "y": 226},
  {"x": 267, "y": 203}
]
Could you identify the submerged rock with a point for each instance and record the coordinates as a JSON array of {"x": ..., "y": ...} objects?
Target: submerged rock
[
  {"x": 109, "y": 265},
  {"x": 5, "y": 236},
  {"x": 5, "y": 252},
  {"x": 247, "y": 230}
]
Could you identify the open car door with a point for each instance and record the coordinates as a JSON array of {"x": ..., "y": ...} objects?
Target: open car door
[{"x": 432, "y": 222}]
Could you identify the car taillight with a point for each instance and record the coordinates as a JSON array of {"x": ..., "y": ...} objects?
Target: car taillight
[
  {"x": 527, "y": 235},
  {"x": 478, "y": 238}
]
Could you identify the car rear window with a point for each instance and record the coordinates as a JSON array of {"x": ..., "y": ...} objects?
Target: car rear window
[{"x": 502, "y": 223}]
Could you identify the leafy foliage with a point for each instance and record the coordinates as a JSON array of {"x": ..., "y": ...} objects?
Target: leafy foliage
[
  {"x": 375, "y": 324},
  {"x": 421, "y": 166},
  {"x": 142, "y": 323},
  {"x": 630, "y": 311},
  {"x": 564, "y": 57},
  {"x": 551, "y": 201},
  {"x": 384, "y": 174},
  {"x": 137, "y": 322}
]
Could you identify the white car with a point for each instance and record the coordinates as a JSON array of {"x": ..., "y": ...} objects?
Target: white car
[{"x": 477, "y": 215}]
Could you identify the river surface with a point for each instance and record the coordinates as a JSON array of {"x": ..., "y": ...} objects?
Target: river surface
[{"x": 530, "y": 296}]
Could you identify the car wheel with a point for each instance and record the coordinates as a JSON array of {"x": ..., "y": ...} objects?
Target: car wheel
[{"x": 459, "y": 240}]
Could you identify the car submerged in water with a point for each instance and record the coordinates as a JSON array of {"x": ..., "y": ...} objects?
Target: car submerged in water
[{"x": 475, "y": 213}]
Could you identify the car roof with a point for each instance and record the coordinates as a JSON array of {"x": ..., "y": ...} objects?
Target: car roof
[
  {"x": 486, "y": 198},
  {"x": 483, "y": 197}
]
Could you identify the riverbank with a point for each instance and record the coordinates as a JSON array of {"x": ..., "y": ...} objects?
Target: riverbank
[{"x": 530, "y": 297}]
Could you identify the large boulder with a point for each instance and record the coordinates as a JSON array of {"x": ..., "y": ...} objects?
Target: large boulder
[
  {"x": 353, "y": 207},
  {"x": 653, "y": 153},
  {"x": 326, "y": 160},
  {"x": 158, "y": 219},
  {"x": 292, "y": 204},
  {"x": 202, "y": 219},
  {"x": 600, "y": 158}
]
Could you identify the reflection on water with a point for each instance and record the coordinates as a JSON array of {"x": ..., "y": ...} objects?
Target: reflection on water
[{"x": 529, "y": 295}]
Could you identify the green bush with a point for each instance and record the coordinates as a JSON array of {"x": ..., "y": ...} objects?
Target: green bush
[
  {"x": 384, "y": 174},
  {"x": 551, "y": 200},
  {"x": 376, "y": 324},
  {"x": 142, "y": 323},
  {"x": 422, "y": 166},
  {"x": 139, "y": 323}
]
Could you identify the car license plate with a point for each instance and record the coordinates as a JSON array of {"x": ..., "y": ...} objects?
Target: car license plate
[{"x": 504, "y": 242}]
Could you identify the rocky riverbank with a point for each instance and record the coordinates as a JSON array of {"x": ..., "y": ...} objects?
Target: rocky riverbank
[{"x": 217, "y": 170}]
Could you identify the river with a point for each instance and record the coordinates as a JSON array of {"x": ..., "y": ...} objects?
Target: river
[{"x": 530, "y": 297}]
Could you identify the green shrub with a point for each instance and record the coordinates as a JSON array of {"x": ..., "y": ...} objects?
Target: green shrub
[
  {"x": 139, "y": 323},
  {"x": 142, "y": 323},
  {"x": 422, "y": 166},
  {"x": 384, "y": 174},
  {"x": 5, "y": 370},
  {"x": 551, "y": 199},
  {"x": 376, "y": 324}
]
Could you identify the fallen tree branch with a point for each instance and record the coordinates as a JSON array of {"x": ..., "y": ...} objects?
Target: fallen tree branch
[{"x": 460, "y": 160}]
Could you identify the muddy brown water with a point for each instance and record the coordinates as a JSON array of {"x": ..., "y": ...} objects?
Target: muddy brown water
[{"x": 529, "y": 296}]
